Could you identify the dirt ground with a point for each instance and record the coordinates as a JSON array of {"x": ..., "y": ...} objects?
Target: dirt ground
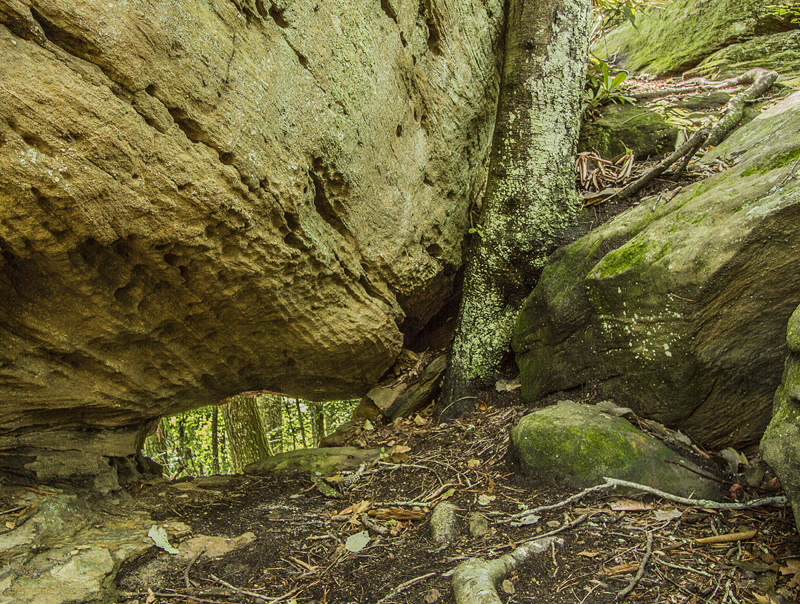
[{"x": 299, "y": 552}]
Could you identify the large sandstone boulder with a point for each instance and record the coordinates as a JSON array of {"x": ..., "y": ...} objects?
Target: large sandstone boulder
[
  {"x": 780, "y": 446},
  {"x": 678, "y": 309},
  {"x": 198, "y": 199}
]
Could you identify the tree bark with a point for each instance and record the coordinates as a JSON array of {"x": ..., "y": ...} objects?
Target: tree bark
[
  {"x": 530, "y": 205},
  {"x": 247, "y": 439}
]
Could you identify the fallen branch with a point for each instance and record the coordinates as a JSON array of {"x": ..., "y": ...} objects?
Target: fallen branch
[
  {"x": 640, "y": 573},
  {"x": 703, "y": 503},
  {"x": 253, "y": 594},
  {"x": 710, "y": 136}
]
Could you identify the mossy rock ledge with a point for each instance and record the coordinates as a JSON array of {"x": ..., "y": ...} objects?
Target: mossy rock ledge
[
  {"x": 325, "y": 461},
  {"x": 678, "y": 309},
  {"x": 780, "y": 446},
  {"x": 580, "y": 445}
]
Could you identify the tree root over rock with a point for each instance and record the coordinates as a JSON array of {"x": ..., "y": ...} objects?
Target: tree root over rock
[{"x": 760, "y": 81}]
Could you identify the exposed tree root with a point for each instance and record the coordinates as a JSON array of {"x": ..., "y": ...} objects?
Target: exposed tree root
[
  {"x": 760, "y": 81},
  {"x": 474, "y": 580}
]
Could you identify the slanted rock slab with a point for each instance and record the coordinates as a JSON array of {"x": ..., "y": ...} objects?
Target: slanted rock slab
[
  {"x": 580, "y": 445},
  {"x": 324, "y": 461}
]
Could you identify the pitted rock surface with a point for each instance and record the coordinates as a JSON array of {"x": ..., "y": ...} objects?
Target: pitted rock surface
[{"x": 202, "y": 199}]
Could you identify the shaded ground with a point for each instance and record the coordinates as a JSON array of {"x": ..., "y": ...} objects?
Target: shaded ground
[{"x": 299, "y": 552}]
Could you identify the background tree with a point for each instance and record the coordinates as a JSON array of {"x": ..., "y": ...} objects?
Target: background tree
[
  {"x": 247, "y": 433},
  {"x": 530, "y": 204}
]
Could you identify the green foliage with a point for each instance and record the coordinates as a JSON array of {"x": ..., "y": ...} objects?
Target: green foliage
[
  {"x": 602, "y": 87},
  {"x": 184, "y": 443}
]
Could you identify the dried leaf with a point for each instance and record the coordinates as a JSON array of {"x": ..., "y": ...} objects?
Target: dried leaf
[
  {"x": 667, "y": 514},
  {"x": 473, "y": 463},
  {"x": 159, "y": 537},
  {"x": 628, "y": 505},
  {"x": 368, "y": 425},
  {"x": 401, "y": 449},
  {"x": 589, "y": 554},
  {"x": 355, "y": 543},
  {"x": 792, "y": 567},
  {"x": 508, "y": 587},
  {"x": 432, "y": 596},
  {"x": 620, "y": 569},
  {"x": 485, "y": 499},
  {"x": 419, "y": 420}
]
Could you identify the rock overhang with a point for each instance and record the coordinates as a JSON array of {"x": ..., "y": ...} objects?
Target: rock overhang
[{"x": 199, "y": 200}]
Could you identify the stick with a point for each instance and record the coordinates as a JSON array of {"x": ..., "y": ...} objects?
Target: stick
[
  {"x": 189, "y": 566},
  {"x": 730, "y": 537},
  {"x": 703, "y": 503},
  {"x": 640, "y": 573},
  {"x": 403, "y": 586},
  {"x": 255, "y": 595}
]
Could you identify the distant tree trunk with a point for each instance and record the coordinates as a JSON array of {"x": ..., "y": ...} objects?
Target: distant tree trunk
[
  {"x": 215, "y": 440},
  {"x": 269, "y": 405},
  {"x": 301, "y": 422},
  {"x": 317, "y": 422},
  {"x": 530, "y": 204},
  {"x": 247, "y": 440}
]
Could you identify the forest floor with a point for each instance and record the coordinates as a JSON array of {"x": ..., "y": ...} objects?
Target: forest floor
[{"x": 299, "y": 551}]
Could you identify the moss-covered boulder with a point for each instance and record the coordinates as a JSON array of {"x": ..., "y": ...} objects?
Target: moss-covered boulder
[
  {"x": 580, "y": 445},
  {"x": 678, "y": 309},
  {"x": 779, "y": 52},
  {"x": 683, "y": 33},
  {"x": 642, "y": 130},
  {"x": 780, "y": 446}
]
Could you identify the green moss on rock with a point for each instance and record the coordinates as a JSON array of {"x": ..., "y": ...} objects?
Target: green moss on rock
[
  {"x": 580, "y": 445},
  {"x": 685, "y": 32},
  {"x": 643, "y": 131}
]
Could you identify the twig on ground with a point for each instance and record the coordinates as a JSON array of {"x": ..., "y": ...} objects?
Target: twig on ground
[
  {"x": 186, "y": 580},
  {"x": 640, "y": 573},
  {"x": 252, "y": 594},
  {"x": 703, "y": 503},
  {"x": 403, "y": 586}
]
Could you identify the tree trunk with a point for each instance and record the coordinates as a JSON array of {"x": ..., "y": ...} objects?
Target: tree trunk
[
  {"x": 247, "y": 440},
  {"x": 530, "y": 205},
  {"x": 215, "y": 440}
]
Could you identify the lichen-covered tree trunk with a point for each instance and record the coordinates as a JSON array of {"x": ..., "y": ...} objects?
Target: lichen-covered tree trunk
[{"x": 531, "y": 204}]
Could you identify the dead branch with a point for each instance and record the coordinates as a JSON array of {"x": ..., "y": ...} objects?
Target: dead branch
[
  {"x": 640, "y": 573},
  {"x": 403, "y": 586}
]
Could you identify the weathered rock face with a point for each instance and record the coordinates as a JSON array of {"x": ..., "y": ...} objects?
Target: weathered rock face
[
  {"x": 780, "y": 446},
  {"x": 202, "y": 199},
  {"x": 679, "y": 309},
  {"x": 685, "y": 32}
]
